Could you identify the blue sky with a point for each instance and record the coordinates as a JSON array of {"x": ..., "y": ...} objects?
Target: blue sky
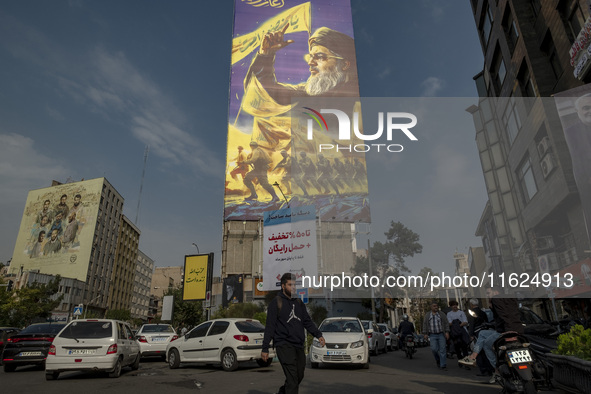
[{"x": 85, "y": 86}]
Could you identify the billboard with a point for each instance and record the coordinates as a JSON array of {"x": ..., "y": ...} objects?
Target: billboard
[
  {"x": 57, "y": 229},
  {"x": 233, "y": 290},
  {"x": 283, "y": 53},
  {"x": 289, "y": 245},
  {"x": 197, "y": 276}
]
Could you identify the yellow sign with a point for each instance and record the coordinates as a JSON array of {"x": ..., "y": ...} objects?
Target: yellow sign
[{"x": 195, "y": 278}]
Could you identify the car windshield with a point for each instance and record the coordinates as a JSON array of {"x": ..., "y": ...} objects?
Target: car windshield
[
  {"x": 340, "y": 326},
  {"x": 529, "y": 317},
  {"x": 383, "y": 327},
  {"x": 43, "y": 329},
  {"x": 88, "y": 329},
  {"x": 252, "y": 326},
  {"x": 157, "y": 328}
]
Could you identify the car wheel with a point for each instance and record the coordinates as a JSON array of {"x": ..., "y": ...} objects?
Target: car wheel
[
  {"x": 51, "y": 375},
  {"x": 229, "y": 361},
  {"x": 117, "y": 371},
  {"x": 314, "y": 365},
  {"x": 375, "y": 350},
  {"x": 9, "y": 367},
  {"x": 263, "y": 363},
  {"x": 174, "y": 360},
  {"x": 136, "y": 364}
]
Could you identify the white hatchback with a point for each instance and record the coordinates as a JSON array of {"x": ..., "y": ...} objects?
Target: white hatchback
[
  {"x": 220, "y": 341},
  {"x": 154, "y": 338},
  {"x": 346, "y": 343},
  {"x": 93, "y": 345}
]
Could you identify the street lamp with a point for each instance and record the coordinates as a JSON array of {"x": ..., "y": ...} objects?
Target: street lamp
[
  {"x": 91, "y": 301},
  {"x": 195, "y": 245}
]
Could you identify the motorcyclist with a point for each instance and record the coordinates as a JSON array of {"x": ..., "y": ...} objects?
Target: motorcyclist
[{"x": 405, "y": 328}]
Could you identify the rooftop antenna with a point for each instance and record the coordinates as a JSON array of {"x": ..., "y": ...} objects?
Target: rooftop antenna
[{"x": 139, "y": 200}]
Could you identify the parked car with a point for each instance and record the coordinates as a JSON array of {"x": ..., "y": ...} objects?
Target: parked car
[
  {"x": 391, "y": 338},
  {"x": 220, "y": 341},
  {"x": 154, "y": 338},
  {"x": 93, "y": 345},
  {"x": 5, "y": 333},
  {"x": 377, "y": 340},
  {"x": 346, "y": 343},
  {"x": 29, "y": 346}
]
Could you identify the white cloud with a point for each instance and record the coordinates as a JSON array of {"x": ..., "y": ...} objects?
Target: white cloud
[
  {"x": 431, "y": 86},
  {"x": 384, "y": 73}
]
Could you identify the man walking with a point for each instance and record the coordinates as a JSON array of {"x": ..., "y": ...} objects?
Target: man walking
[
  {"x": 286, "y": 319},
  {"x": 436, "y": 326}
]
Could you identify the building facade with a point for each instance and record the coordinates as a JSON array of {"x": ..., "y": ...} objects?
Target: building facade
[
  {"x": 533, "y": 220},
  {"x": 140, "y": 301},
  {"x": 124, "y": 270}
]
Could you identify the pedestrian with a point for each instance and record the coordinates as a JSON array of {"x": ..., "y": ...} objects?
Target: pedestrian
[
  {"x": 458, "y": 329},
  {"x": 286, "y": 319},
  {"x": 436, "y": 327}
]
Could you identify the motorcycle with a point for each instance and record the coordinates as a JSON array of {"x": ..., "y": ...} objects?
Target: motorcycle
[
  {"x": 519, "y": 368},
  {"x": 409, "y": 346}
]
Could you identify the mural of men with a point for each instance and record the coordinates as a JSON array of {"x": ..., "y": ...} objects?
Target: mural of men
[
  {"x": 308, "y": 171},
  {"x": 333, "y": 68},
  {"x": 62, "y": 206},
  {"x": 240, "y": 168},
  {"x": 260, "y": 161},
  {"x": 46, "y": 211},
  {"x": 325, "y": 174},
  {"x": 54, "y": 245},
  {"x": 71, "y": 230},
  {"x": 38, "y": 246},
  {"x": 57, "y": 224},
  {"x": 77, "y": 207},
  {"x": 38, "y": 227},
  {"x": 285, "y": 164}
]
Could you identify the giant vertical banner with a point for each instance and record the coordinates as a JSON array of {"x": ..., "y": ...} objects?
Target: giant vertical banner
[
  {"x": 285, "y": 52},
  {"x": 289, "y": 245}
]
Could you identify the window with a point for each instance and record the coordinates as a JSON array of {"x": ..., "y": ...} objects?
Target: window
[
  {"x": 498, "y": 70},
  {"x": 572, "y": 18},
  {"x": 486, "y": 25},
  {"x": 510, "y": 29},
  {"x": 511, "y": 120},
  {"x": 527, "y": 181},
  {"x": 199, "y": 331},
  {"x": 219, "y": 327},
  {"x": 525, "y": 83},
  {"x": 536, "y": 7},
  {"x": 550, "y": 50}
]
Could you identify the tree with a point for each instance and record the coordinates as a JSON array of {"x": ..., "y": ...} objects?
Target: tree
[
  {"x": 189, "y": 313},
  {"x": 119, "y": 314},
  {"x": 30, "y": 303},
  {"x": 388, "y": 258}
]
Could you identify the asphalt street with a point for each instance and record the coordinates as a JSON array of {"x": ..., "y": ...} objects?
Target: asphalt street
[{"x": 388, "y": 373}]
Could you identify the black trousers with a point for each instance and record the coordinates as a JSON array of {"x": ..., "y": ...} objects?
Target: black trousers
[{"x": 293, "y": 362}]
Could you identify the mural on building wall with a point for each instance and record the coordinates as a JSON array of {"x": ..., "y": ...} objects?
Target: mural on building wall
[
  {"x": 284, "y": 53},
  {"x": 57, "y": 229}
]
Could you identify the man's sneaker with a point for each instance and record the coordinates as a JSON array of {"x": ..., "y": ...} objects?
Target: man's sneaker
[
  {"x": 494, "y": 379},
  {"x": 467, "y": 361}
]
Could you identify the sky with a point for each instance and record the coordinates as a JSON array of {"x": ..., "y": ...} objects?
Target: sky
[{"x": 85, "y": 86}]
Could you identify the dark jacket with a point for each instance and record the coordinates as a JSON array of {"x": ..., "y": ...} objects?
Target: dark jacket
[
  {"x": 478, "y": 321},
  {"x": 287, "y": 326},
  {"x": 506, "y": 313},
  {"x": 405, "y": 328}
]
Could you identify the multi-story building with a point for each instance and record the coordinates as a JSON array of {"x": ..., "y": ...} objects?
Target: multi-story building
[
  {"x": 77, "y": 230},
  {"x": 140, "y": 301},
  {"x": 164, "y": 279},
  {"x": 126, "y": 260},
  {"x": 534, "y": 211}
]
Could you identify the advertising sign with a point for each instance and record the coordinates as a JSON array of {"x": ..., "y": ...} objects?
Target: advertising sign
[
  {"x": 232, "y": 292},
  {"x": 57, "y": 229},
  {"x": 197, "y": 276},
  {"x": 289, "y": 245},
  {"x": 284, "y": 52}
]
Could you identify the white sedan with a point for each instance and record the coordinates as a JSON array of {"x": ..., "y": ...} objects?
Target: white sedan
[
  {"x": 220, "y": 341},
  {"x": 154, "y": 338},
  {"x": 346, "y": 343}
]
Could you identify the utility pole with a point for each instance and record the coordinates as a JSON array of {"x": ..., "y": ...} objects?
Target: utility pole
[{"x": 373, "y": 301}]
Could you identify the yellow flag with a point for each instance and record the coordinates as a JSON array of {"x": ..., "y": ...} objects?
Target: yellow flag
[
  {"x": 298, "y": 18},
  {"x": 272, "y": 133},
  {"x": 257, "y": 102}
]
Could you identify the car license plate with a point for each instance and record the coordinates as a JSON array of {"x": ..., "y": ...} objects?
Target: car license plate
[
  {"x": 29, "y": 354},
  {"x": 410, "y": 344},
  {"x": 75, "y": 352},
  {"x": 258, "y": 341},
  {"x": 519, "y": 356},
  {"x": 336, "y": 352},
  {"x": 159, "y": 339}
]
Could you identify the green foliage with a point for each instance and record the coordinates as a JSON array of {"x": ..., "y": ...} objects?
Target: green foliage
[
  {"x": 576, "y": 342},
  {"x": 244, "y": 309},
  {"x": 119, "y": 314},
  {"x": 366, "y": 315},
  {"x": 262, "y": 317},
  {"x": 317, "y": 312},
  {"x": 29, "y": 303},
  {"x": 189, "y": 313}
]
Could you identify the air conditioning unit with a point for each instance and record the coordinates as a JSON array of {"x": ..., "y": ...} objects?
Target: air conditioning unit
[
  {"x": 547, "y": 164},
  {"x": 543, "y": 146},
  {"x": 544, "y": 243}
]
